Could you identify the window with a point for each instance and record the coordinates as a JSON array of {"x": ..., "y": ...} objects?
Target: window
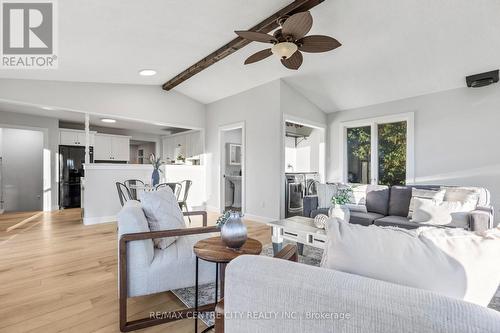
[
  {"x": 378, "y": 150},
  {"x": 358, "y": 154}
]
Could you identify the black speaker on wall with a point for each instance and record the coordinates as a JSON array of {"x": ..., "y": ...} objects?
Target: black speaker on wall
[{"x": 482, "y": 80}]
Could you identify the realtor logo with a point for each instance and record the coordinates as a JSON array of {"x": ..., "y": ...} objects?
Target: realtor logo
[{"x": 28, "y": 34}]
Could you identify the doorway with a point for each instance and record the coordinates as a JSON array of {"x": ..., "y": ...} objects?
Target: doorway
[
  {"x": 232, "y": 167},
  {"x": 303, "y": 162}
]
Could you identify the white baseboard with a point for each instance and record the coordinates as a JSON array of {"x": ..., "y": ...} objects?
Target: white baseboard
[
  {"x": 98, "y": 220},
  {"x": 258, "y": 218}
]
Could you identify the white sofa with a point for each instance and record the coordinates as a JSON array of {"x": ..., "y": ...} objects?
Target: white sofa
[{"x": 269, "y": 295}]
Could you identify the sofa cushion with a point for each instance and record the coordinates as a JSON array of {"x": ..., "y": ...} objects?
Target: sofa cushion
[
  {"x": 163, "y": 213},
  {"x": 450, "y": 261},
  {"x": 396, "y": 221},
  {"x": 364, "y": 218},
  {"x": 377, "y": 199},
  {"x": 399, "y": 200}
]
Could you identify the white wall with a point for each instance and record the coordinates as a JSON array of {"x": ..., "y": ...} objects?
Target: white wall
[
  {"x": 22, "y": 171},
  {"x": 136, "y": 102},
  {"x": 456, "y": 136},
  {"x": 259, "y": 109},
  {"x": 308, "y": 152},
  {"x": 295, "y": 105},
  {"x": 50, "y": 146},
  {"x": 305, "y": 157}
]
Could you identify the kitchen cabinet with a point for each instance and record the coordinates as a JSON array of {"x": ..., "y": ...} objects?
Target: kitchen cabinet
[
  {"x": 191, "y": 145},
  {"x": 111, "y": 148},
  {"x": 168, "y": 149},
  {"x": 69, "y": 137},
  {"x": 194, "y": 144}
]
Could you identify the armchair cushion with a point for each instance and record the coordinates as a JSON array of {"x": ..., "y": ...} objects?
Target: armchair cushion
[
  {"x": 163, "y": 213},
  {"x": 172, "y": 268}
]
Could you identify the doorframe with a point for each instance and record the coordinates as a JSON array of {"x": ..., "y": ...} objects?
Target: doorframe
[
  {"x": 222, "y": 161},
  {"x": 322, "y": 164},
  {"x": 409, "y": 117}
]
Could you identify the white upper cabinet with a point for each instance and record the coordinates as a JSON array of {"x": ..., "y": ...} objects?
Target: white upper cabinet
[
  {"x": 191, "y": 145},
  {"x": 168, "y": 149},
  {"x": 120, "y": 146},
  {"x": 74, "y": 138},
  {"x": 196, "y": 144},
  {"x": 111, "y": 148}
]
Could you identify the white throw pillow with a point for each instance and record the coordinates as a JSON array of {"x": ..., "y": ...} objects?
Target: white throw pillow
[
  {"x": 358, "y": 194},
  {"x": 448, "y": 213},
  {"x": 461, "y": 194},
  {"x": 163, "y": 213},
  {"x": 431, "y": 195},
  {"x": 450, "y": 261},
  {"x": 325, "y": 194}
]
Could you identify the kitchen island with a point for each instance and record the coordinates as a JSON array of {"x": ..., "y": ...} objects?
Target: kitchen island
[{"x": 100, "y": 202}]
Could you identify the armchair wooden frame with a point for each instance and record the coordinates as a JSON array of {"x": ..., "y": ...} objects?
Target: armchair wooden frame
[{"x": 127, "y": 326}]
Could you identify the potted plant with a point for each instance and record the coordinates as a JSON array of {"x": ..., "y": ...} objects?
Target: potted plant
[
  {"x": 339, "y": 200},
  {"x": 232, "y": 230},
  {"x": 157, "y": 163}
]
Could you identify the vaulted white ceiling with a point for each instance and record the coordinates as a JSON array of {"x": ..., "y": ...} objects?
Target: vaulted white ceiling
[{"x": 392, "y": 49}]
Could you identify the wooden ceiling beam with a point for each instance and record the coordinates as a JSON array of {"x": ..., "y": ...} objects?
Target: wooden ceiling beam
[{"x": 266, "y": 26}]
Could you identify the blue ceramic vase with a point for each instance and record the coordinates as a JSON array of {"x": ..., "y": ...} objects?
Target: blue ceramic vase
[{"x": 155, "y": 177}]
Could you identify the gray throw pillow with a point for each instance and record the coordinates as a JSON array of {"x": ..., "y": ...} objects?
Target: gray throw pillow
[{"x": 163, "y": 213}]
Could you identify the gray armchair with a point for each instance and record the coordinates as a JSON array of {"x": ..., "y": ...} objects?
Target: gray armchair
[{"x": 144, "y": 269}]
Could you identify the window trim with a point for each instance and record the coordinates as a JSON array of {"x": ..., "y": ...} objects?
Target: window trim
[{"x": 409, "y": 117}]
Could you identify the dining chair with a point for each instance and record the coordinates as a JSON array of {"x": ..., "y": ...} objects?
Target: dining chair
[
  {"x": 130, "y": 183},
  {"x": 123, "y": 193},
  {"x": 175, "y": 187},
  {"x": 185, "y": 186}
]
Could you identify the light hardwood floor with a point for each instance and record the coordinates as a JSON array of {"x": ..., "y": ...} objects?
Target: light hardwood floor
[{"x": 58, "y": 275}]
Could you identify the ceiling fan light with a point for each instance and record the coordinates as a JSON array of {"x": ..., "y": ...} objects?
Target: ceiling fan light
[{"x": 284, "y": 50}]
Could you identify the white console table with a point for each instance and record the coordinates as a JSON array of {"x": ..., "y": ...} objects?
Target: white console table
[{"x": 297, "y": 229}]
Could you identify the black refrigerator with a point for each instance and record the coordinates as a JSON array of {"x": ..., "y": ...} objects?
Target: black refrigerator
[{"x": 71, "y": 160}]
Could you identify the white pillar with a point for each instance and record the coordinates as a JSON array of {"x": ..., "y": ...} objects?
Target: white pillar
[{"x": 87, "y": 138}]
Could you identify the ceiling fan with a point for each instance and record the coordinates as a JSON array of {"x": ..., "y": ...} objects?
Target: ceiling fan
[{"x": 290, "y": 40}]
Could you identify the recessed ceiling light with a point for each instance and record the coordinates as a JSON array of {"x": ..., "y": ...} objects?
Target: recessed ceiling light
[
  {"x": 47, "y": 108},
  {"x": 147, "y": 72},
  {"x": 108, "y": 120}
]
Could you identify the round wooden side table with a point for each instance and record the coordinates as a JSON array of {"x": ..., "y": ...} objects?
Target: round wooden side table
[{"x": 214, "y": 250}]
